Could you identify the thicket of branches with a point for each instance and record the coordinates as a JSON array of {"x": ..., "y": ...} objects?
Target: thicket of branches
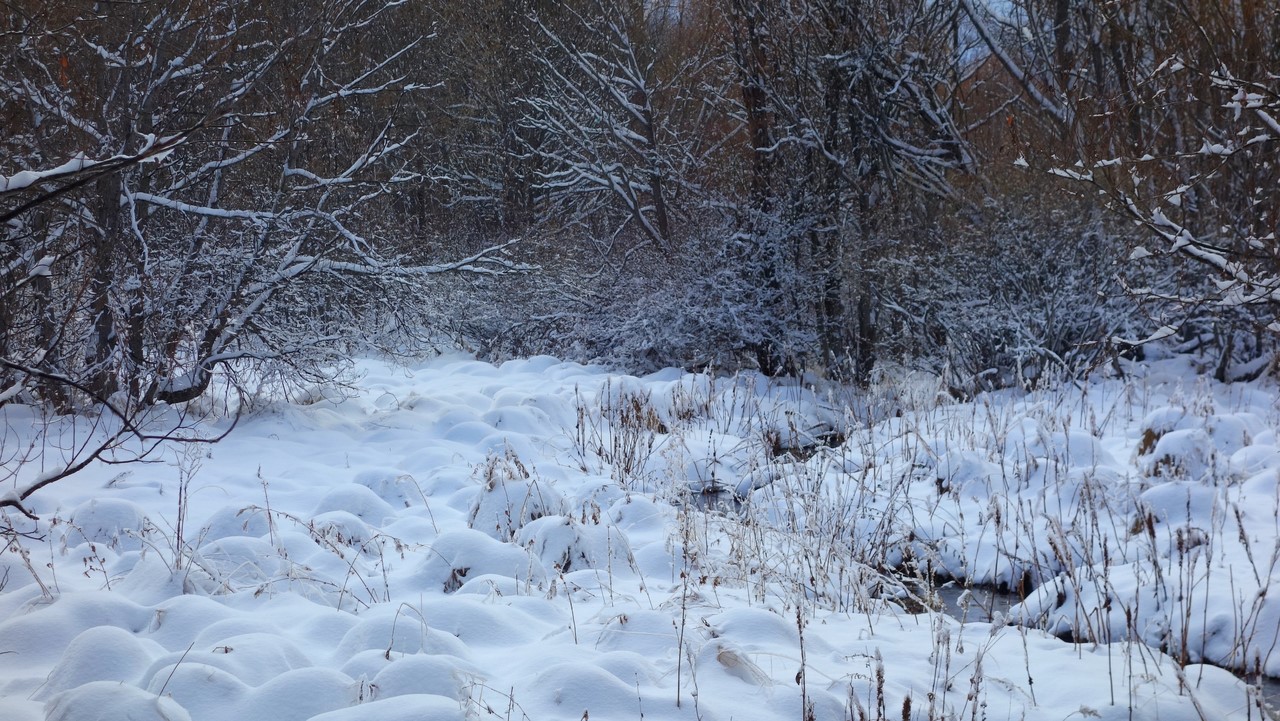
[
  {"x": 1001, "y": 192},
  {"x": 198, "y": 191},
  {"x": 211, "y": 193}
]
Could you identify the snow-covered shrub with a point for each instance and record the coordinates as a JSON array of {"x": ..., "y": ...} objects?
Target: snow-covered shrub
[
  {"x": 231, "y": 564},
  {"x": 457, "y": 556},
  {"x": 724, "y": 301},
  {"x": 357, "y": 500},
  {"x": 1018, "y": 296},
  {"x": 510, "y": 498},
  {"x": 112, "y": 522},
  {"x": 397, "y": 488},
  {"x": 1178, "y": 444},
  {"x": 227, "y": 521},
  {"x": 567, "y": 545},
  {"x": 711, "y": 302}
]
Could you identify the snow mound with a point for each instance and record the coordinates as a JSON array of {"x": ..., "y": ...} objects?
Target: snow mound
[
  {"x": 459, "y": 540},
  {"x": 111, "y": 701},
  {"x": 117, "y": 524}
]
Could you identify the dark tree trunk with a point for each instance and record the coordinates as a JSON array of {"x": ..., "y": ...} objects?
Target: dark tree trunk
[{"x": 865, "y": 341}]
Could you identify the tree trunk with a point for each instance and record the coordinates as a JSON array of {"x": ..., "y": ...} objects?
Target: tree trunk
[
  {"x": 865, "y": 342},
  {"x": 101, "y": 351}
]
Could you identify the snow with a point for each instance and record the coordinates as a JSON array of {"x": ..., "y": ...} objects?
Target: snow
[
  {"x": 459, "y": 540},
  {"x": 154, "y": 149},
  {"x": 26, "y": 178}
]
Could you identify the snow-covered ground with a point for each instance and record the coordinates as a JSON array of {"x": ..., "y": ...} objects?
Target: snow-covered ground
[{"x": 528, "y": 541}]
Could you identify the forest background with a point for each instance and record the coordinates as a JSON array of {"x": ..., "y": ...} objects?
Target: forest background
[{"x": 223, "y": 194}]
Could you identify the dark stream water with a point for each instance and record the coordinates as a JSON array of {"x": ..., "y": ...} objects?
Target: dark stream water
[
  {"x": 981, "y": 606},
  {"x": 724, "y": 501}
]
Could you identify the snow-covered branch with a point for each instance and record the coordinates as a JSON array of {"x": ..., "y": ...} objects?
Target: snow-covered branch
[{"x": 220, "y": 198}]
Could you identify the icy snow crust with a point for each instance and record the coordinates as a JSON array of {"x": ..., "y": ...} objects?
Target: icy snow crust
[{"x": 465, "y": 541}]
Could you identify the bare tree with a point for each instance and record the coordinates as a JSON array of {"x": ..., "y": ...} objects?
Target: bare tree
[
  {"x": 1170, "y": 109},
  {"x": 189, "y": 197},
  {"x": 845, "y": 104},
  {"x": 609, "y": 157}
]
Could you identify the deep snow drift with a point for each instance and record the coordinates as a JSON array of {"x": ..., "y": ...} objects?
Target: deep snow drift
[{"x": 464, "y": 541}]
